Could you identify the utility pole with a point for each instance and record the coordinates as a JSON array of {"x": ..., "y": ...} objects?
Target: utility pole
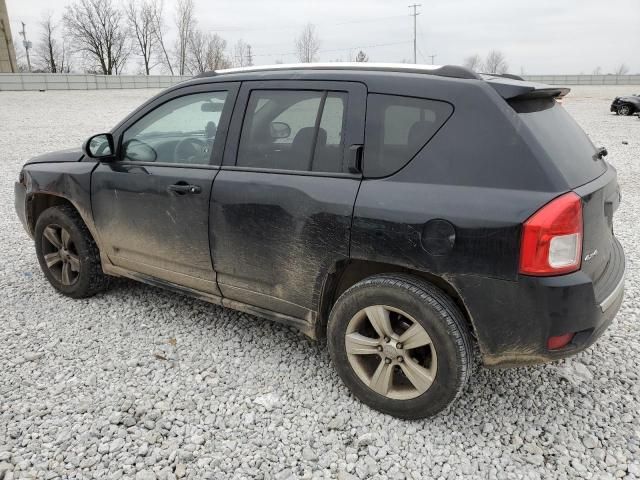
[
  {"x": 414, "y": 15},
  {"x": 249, "y": 56},
  {"x": 432, "y": 57},
  {"x": 27, "y": 45}
]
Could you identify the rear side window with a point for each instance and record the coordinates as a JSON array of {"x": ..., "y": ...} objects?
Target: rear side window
[
  {"x": 294, "y": 130},
  {"x": 562, "y": 138},
  {"x": 396, "y": 130}
]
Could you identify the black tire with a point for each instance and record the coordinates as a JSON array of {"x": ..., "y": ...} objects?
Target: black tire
[
  {"x": 90, "y": 279},
  {"x": 625, "y": 110},
  {"x": 435, "y": 312}
]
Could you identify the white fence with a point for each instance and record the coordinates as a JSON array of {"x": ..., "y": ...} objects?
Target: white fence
[
  {"x": 585, "y": 79},
  {"x": 72, "y": 81}
]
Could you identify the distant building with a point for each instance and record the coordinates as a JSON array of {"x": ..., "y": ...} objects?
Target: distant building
[{"x": 7, "y": 52}]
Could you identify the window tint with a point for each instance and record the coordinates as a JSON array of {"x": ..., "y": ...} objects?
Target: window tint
[
  {"x": 563, "y": 139},
  {"x": 293, "y": 130},
  {"x": 397, "y": 128},
  {"x": 183, "y": 130}
]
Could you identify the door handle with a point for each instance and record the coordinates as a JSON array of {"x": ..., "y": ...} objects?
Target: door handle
[{"x": 182, "y": 188}]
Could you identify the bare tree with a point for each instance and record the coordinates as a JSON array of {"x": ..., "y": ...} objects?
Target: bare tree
[
  {"x": 207, "y": 52},
  {"x": 140, "y": 14},
  {"x": 98, "y": 30},
  {"x": 308, "y": 44},
  {"x": 362, "y": 57},
  {"x": 197, "y": 51},
  {"x": 622, "y": 69},
  {"x": 52, "y": 54},
  {"x": 186, "y": 23},
  {"x": 158, "y": 33},
  {"x": 597, "y": 71},
  {"x": 242, "y": 56},
  {"x": 496, "y": 63},
  {"x": 473, "y": 62}
]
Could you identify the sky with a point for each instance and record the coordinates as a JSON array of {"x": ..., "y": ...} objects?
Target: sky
[{"x": 540, "y": 37}]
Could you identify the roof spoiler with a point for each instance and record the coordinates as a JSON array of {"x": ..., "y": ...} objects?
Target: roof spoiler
[{"x": 512, "y": 89}]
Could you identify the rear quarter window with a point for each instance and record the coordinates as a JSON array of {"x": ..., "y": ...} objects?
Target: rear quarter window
[{"x": 397, "y": 128}]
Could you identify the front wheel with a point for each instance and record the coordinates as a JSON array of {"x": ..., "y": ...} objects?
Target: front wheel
[
  {"x": 624, "y": 110},
  {"x": 67, "y": 253},
  {"x": 401, "y": 345}
]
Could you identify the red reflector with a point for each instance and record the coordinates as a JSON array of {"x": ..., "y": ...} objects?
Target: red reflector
[{"x": 559, "y": 341}]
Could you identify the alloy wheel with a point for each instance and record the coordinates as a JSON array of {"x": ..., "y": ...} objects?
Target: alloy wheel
[
  {"x": 60, "y": 254},
  {"x": 391, "y": 352},
  {"x": 624, "y": 110}
]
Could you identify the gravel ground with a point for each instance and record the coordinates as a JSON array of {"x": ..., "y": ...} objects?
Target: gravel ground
[{"x": 139, "y": 382}]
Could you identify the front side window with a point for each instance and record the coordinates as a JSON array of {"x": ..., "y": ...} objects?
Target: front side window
[
  {"x": 397, "y": 128},
  {"x": 183, "y": 130},
  {"x": 293, "y": 130}
]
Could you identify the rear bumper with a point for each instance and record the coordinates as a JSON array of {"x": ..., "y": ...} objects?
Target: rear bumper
[
  {"x": 20, "y": 201},
  {"x": 514, "y": 320}
]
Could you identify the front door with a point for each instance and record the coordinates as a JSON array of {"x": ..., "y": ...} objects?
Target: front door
[
  {"x": 151, "y": 206},
  {"x": 282, "y": 203}
]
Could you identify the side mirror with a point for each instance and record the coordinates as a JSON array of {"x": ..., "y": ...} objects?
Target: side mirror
[
  {"x": 279, "y": 130},
  {"x": 99, "y": 146}
]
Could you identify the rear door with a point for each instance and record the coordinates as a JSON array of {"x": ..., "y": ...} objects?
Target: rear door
[{"x": 282, "y": 203}]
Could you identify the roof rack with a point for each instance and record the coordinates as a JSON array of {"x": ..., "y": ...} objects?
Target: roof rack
[{"x": 452, "y": 71}]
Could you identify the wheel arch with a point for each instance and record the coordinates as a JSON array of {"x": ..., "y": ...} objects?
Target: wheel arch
[
  {"x": 38, "y": 202},
  {"x": 349, "y": 272}
]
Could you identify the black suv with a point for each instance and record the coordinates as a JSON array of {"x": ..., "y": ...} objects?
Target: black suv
[{"x": 405, "y": 213}]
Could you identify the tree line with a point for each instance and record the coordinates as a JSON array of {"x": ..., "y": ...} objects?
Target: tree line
[
  {"x": 496, "y": 62},
  {"x": 104, "y": 36}
]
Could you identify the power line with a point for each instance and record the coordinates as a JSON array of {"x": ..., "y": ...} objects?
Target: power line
[
  {"x": 295, "y": 27},
  {"x": 333, "y": 50},
  {"x": 415, "y": 15},
  {"x": 424, "y": 57}
]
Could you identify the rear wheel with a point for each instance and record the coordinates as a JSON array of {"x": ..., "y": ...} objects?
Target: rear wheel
[
  {"x": 624, "y": 110},
  {"x": 67, "y": 254},
  {"x": 401, "y": 345}
]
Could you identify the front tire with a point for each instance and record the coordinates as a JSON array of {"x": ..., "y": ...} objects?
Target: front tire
[
  {"x": 67, "y": 253},
  {"x": 624, "y": 110},
  {"x": 401, "y": 345}
]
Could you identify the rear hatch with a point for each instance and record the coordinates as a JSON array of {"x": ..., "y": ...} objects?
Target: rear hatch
[
  {"x": 583, "y": 168},
  {"x": 602, "y": 255}
]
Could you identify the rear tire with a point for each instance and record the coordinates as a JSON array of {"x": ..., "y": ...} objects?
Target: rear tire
[
  {"x": 415, "y": 379},
  {"x": 67, "y": 253}
]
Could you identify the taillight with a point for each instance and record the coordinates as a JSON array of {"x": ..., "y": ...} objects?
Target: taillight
[{"x": 552, "y": 238}]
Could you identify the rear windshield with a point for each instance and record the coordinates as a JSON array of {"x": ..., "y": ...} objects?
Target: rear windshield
[{"x": 564, "y": 140}]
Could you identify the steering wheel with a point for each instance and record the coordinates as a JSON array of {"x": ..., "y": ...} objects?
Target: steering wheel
[{"x": 191, "y": 150}]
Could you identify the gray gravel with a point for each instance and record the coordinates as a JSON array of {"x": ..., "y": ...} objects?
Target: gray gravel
[{"x": 145, "y": 384}]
